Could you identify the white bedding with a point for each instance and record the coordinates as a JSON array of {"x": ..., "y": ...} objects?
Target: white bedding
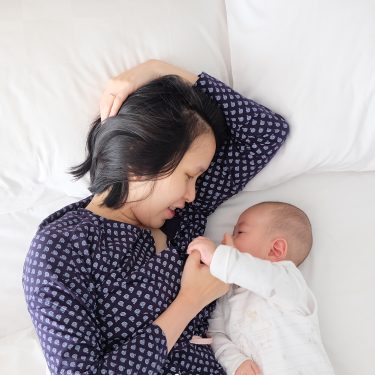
[{"x": 54, "y": 60}]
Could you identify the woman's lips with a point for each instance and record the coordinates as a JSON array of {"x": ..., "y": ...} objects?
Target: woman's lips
[{"x": 170, "y": 213}]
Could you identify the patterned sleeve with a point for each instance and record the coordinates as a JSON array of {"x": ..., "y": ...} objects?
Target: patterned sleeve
[
  {"x": 62, "y": 307},
  {"x": 256, "y": 133}
]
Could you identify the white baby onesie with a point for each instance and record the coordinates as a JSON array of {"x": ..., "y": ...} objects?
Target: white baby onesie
[{"x": 270, "y": 316}]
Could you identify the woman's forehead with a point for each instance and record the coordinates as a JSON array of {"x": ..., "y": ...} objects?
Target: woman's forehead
[{"x": 201, "y": 152}]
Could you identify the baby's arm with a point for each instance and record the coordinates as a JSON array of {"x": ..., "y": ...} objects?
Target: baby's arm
[
  {"x": 227, "y": 353},
  {"x": 234, "y": 267},
  {"x": 279, "y": 280}
]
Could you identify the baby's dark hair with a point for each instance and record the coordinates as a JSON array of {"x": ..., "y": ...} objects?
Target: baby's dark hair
[
  {"x": 290, "y": 221},
  {"x": 148, "y": 138}
]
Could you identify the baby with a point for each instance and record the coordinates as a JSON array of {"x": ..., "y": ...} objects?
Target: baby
[{"x": 270, "y": 315}]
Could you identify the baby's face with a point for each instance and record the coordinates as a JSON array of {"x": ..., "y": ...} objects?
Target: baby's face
[{"x": 250, "y": 233}]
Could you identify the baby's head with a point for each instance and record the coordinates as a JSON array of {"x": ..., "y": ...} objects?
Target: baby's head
[{"x": 274, "y": 231}]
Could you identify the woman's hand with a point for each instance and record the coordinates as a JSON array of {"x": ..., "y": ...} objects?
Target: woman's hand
[
  {"x": 198, "y": 289},
  {"x": 248, "y": 367},
  {"x": 198, "y": 286},
  {"x": 120, "y": 87}
]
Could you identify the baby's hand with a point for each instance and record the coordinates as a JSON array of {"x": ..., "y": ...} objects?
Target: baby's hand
[
  {"x": 248, "y": 368},
  {"x": 206, "y": 248},
  {"x": 227, "y": 240}
]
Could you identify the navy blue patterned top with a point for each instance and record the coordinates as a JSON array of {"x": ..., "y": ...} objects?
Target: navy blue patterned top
[{"x": 94, "y": 286}]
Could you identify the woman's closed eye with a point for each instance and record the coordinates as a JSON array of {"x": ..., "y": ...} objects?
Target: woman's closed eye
[{"x": 190, "y": 177}]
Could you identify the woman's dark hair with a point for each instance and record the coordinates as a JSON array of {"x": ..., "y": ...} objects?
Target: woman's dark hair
[{"x": 148, "y": 138}]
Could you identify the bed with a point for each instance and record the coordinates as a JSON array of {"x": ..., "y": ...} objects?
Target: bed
[{"x": 310, "y": 60}]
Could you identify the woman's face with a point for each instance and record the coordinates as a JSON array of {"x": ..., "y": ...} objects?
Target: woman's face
[{"x": 165, "y": 195}]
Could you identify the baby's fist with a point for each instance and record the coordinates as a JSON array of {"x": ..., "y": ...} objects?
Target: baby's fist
[{"x": 206, "y": 248}]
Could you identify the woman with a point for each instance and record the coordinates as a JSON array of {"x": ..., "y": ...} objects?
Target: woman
[{"x": 106, "y": 279}]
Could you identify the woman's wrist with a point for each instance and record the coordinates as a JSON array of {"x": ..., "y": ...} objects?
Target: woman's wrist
[
  {"x": 190, "y": 301},
  {"x": 163, "y": 68},
  {"x": 121, "y": 86},
  {"x": 176, "y": 317}
]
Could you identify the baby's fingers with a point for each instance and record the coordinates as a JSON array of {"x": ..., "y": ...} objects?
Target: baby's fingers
[
  {"x": 192, "y": 246},
  {"x": 227, "y": 239}
]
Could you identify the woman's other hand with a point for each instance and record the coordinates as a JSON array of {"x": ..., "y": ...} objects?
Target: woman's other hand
[
  {"x": 198, "y": 286},
  {"x": 120, "y": 87}
]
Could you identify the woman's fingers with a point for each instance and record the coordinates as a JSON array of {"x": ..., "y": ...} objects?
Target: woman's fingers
[
  {"x": 116, "y": 104},
  {"x": 106, "y": 103},
  {"x": 110, "y": 104},
  {"x": 194, "y": 258},
  {"x": 120, "y": 87},
  {"x": 115, "y": 93}
]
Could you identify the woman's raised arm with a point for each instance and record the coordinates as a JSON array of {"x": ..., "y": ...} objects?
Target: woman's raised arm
[{"x": 256, "y": 134}]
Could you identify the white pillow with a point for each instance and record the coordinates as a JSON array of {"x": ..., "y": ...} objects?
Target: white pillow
[
  {"x": 312, "y": 61},
  {"x": 55, "y": 58}
]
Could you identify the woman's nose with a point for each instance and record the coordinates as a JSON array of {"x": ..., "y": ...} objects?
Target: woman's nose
[{"x": 190, "y": 193}]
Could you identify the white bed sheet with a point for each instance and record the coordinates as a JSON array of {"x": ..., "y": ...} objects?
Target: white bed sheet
[{"x": 339, "y": 268}]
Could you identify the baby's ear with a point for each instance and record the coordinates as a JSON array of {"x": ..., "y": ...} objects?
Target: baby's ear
[{"x": 278, "y": 250}]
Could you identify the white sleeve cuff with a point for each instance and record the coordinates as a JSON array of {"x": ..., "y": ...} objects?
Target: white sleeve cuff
[{"x": 219, "y": 263}]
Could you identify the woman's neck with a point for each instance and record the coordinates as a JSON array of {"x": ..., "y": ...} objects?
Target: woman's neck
[
  {"x": 118, "y": 214},
  {"x": 122, "y": 215}
]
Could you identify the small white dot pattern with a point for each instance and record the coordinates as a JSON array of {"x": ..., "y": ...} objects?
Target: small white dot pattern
[{"x": 94, "y": 286}]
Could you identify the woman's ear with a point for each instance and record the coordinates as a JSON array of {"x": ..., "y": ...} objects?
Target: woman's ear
[{"x": 278, "y": 250}]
